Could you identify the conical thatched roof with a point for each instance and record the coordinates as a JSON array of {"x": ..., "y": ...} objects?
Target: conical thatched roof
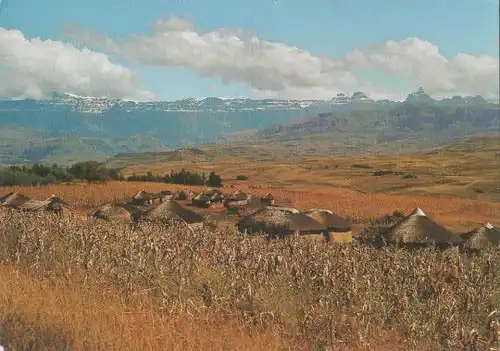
[
  {"x": 280, "y": 221},
  {"x": 117, "y": 212},
  {"x": 34, "y": 205},
  {"x": 211, "y": 192},
  {"x": 53, "y": 199},
  {"x": 201, "y": 197},
  {"x": 217, "y": 197},
  {"x": 163, "y": 193},
  {"x": 15, "y": 200},
  {"x": 268, "y": 196},
  {"x": 21, "y": 202},
  {"x": 486, "y": 235},
  {"x": 332, "y": 221},
  {"x": 4, "y": 197},
  {"x": 239, "y": 195},
  {"x": 143, "y": 195},
  {"x": 417, "y": 228},
  {"x": 170, "y": 209}
]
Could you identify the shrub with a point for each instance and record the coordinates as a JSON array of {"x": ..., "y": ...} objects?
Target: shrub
[{"x": 357, "y": 165}]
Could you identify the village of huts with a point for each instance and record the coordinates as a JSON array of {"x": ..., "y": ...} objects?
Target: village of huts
[{"x": 262, "y": 216}]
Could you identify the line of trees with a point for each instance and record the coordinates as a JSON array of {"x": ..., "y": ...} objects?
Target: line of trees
[
  {"x": 93, "y": 171},
  {"x": 183, "y": 177},
  {"x": 39, "y": 174}
]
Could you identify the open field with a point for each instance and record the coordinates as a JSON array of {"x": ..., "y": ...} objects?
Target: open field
[
  {"x": 78, "y": 284},
  {"x": 467, "y": 169}
]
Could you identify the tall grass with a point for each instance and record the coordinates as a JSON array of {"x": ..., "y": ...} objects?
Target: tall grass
[{"x": 300, "y": 293}]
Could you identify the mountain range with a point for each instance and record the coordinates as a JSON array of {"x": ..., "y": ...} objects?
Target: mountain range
[{"x": 68, "y": 128}]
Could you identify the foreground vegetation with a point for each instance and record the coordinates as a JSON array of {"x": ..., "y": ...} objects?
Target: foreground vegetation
[{"x": 75, "y": 283}]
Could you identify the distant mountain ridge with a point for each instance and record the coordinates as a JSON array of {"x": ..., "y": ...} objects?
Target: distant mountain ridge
[
  {"x": 102, "y": 104},
  {"x": 69, "y": 127}
]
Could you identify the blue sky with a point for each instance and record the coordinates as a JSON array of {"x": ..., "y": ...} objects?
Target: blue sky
[{"x": 327, "y": 28}]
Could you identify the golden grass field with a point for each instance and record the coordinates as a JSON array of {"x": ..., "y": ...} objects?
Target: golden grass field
[
  {"x": 70, "y": 283},
  {"x": 84, "y": 285},
  {"x": 466, "y": 172}
]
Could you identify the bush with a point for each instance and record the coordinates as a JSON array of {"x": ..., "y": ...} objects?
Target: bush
[
  {"x": 49, "y": 174},
  {"x": 241, "y": 177},
  {"x": 357, "y": 165},
  {"x": 409, "y": 176},
  {"x": 381, "y": 173},
  {"x": 183, "y": 178}
]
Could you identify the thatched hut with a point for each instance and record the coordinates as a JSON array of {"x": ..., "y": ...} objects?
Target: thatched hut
[
  {"x": 338, "y": 229},
  {"x": 267, "y": 199},
  {"x": 212, "y": 191},
  {"x": 216, "y": 198},
  {"x": 163, "y": 195},
  {"x": 20, "y": 202},
  {"x": 280, "y": 221},
  {"x": 143, "y": 198},
  {"x": 117, "y": 212},
  {"x": 483, "y": 237},
  {"x": 4, "y": 197},
  {"x": 201, "y": 200},
  {"x": 169, "y": 210},
  {"x": 238, "y": 198},
  {"x": 417, "y": 229},
  {"x": 14, "y": 200},
  {"x": 55, "y": 204},
  {"x": 182, "y": 195}
]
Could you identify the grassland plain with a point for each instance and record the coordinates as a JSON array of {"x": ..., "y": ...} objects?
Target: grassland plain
[
  {"x": 70, "y": 283},
  {"x": 80, "y": 284},
  {"x": 466, "y": 169}
]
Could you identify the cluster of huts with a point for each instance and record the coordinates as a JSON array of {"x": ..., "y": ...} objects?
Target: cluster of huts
[
  {"x": 23, "y": 203},
  {"x": 264, "y": 215}
]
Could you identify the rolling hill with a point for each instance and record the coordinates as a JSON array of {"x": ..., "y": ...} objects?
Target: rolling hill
[
  {"x": 413, "y": 125},
  {"x": 466, "y": 168}
]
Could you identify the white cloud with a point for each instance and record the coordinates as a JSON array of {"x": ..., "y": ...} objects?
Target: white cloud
[
  {"x": 36, "y": 68},
  {"x": 423, "y": 65},
  {"x": 231, "y": 55},
  {"x": 269, "y": 68},
  {"x": 280, "y": 70}
]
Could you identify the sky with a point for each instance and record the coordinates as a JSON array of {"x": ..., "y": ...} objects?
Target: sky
[{"x": 286, "y": 49}]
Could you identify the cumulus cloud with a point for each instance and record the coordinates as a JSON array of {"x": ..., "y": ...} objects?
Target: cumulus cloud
[
  {"x": 230, "y": 54},
  {"x": 278, "y": 69},
  {"x": 35, "y": 68},
  {"x": 421, "y": 62}
]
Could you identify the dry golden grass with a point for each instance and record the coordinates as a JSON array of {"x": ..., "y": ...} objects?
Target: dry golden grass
[
  {"x": 470, "y": 172},
  {"x": 456, "y": 214},
  {"x": 56, "y": 313},
  {"x": 168, "y": 287}
]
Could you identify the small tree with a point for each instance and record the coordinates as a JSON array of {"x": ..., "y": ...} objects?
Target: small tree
[
  {"x": 214, "y": 180},
  {"x": 90, "y": 171}
]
